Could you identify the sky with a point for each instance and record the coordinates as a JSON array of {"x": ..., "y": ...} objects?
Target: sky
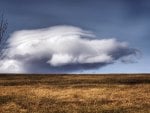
[{"x": 109, "y": 27}]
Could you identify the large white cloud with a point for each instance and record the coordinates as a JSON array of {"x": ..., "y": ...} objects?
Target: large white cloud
[{"x": 60, "y": 49}]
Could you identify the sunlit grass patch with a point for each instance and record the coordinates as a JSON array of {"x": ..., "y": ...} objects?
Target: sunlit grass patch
[{"x": 75, "y": 94}]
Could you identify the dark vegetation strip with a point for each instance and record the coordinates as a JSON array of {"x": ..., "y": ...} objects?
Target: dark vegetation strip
[{"x": 61, "y": 80}]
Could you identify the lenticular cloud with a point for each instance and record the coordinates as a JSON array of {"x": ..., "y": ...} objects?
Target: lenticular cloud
[{"x": 60, "y": 49}]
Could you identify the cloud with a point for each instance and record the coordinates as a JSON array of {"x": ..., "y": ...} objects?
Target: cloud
[{"x": 60, "y": 49}]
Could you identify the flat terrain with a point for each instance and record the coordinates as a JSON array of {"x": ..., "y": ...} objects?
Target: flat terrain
[{"x": 75, "y": 93}]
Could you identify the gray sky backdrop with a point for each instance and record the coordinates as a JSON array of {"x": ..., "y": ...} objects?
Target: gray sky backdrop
[{"x": 126, "y": 20}]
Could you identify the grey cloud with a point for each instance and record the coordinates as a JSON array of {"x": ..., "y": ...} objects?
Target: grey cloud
[{"x": 60, "y": 49}]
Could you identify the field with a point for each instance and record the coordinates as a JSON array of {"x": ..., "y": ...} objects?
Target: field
[{"x": 75, "y": 93}]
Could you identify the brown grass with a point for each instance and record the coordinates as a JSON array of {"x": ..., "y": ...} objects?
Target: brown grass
[{"x": 75, "y": 93}]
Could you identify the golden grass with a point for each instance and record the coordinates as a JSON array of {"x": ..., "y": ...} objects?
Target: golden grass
[{"x": 74, "y": 93}]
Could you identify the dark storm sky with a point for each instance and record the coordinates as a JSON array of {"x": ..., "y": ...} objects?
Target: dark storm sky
[{"x": 126, "y": 20}]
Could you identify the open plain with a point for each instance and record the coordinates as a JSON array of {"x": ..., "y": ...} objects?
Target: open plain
[{"x": 104, "y": 93}]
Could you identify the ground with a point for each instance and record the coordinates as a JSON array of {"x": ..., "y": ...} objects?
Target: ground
[{"x": 121, "y": 93}]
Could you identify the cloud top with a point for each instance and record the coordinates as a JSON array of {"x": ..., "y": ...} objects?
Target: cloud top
[{"x": 60, "y": 49}]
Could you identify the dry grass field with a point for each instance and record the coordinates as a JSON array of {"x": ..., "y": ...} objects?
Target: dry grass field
[{"x": 75, "y": 93}]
